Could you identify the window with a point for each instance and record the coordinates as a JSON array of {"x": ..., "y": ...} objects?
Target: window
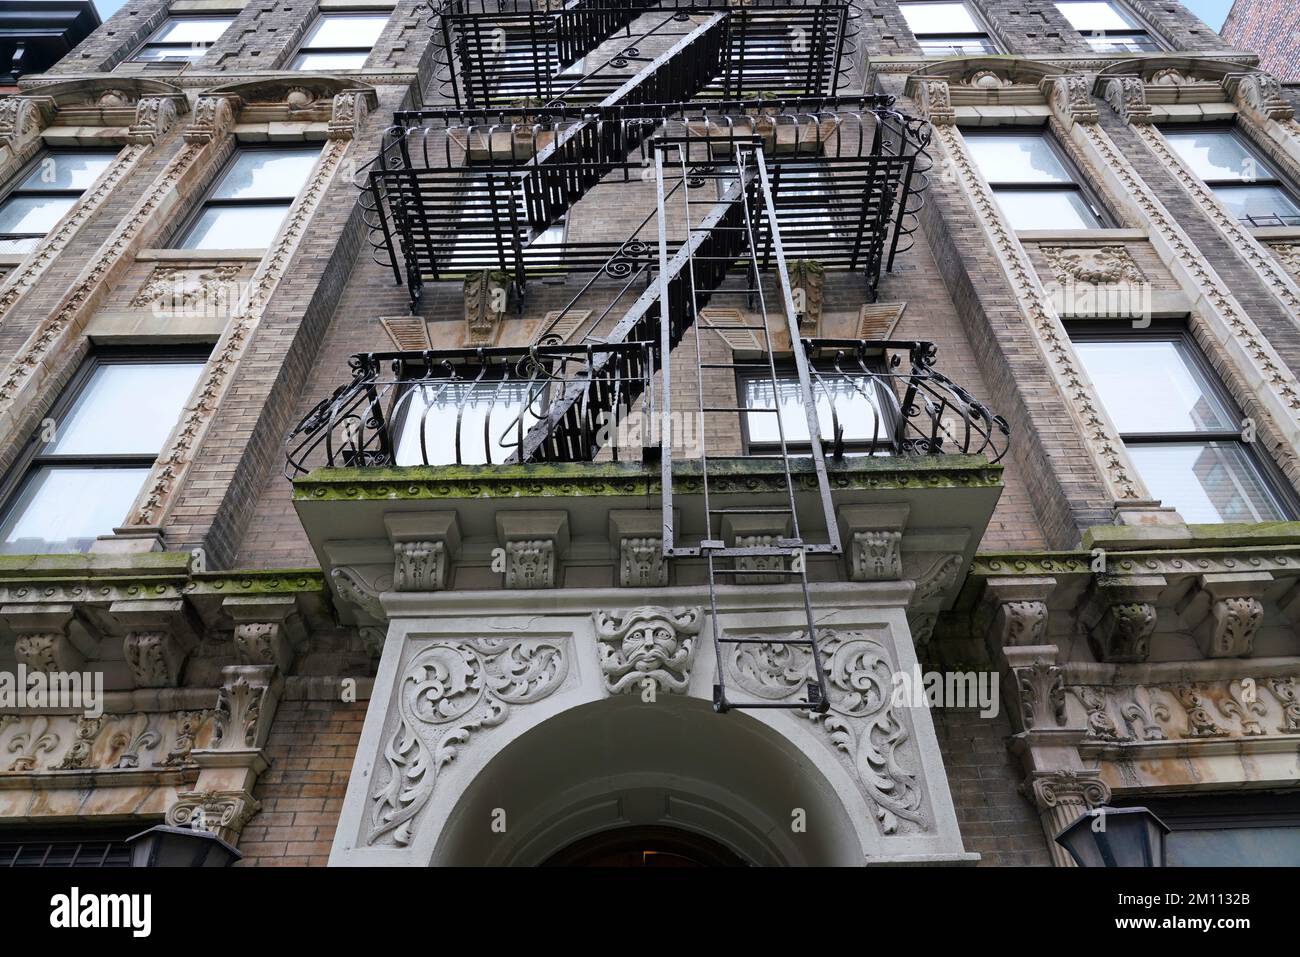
[
  {"x": 66, "y": 847},
  {"x": 853, "y": 401},
  {"x": 339, "y": 41},
  {"x": 947, "y": 29},
  {"x": 1107, "y": 27},
  {"x": 476, "y": 420},
  {"x": 45, "y": 191},
  {"x": 1180, "y": 428},
  {"x": 1239, "y": 178},
  {"x": 182, "y": 38},
  {"x": 1034, "y": 184},
  {"x": 1225, "y": 830},
  {"x": 249, "y": 202},
  {"x": 109, "y": 427}
]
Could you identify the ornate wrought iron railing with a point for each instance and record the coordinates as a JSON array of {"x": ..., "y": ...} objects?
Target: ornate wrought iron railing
[{"x": 475, "y": 406}]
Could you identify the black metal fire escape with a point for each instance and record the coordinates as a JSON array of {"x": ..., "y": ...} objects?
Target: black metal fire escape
[{"x": 555, "y": 103}]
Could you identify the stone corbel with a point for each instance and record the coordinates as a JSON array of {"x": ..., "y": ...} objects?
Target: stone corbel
[
  {"x": 159, "y": 636},
  {"x": 154, "y": 116},
  {"x": 1228, "y": 611},
  {"x": 42, "y": 641},
  {"x": 22, "y": 118},
  {"x": 533, "y": 543},
  {"x": 873, "y": 540},
  {"x": 1127, "y": 96},
  {"x": 756, "y": 531},
  {"x": 213, "y": 117},
  {"x": 936, "y": 102},
  {"x": 487, "y": 297},
  {"x": 1259, "y": 96},
  {"x": 424, "y": 544},
  {"x": 638, "y": 535},
  {"x": 267, "y": 627},
  {"x": 1037, "y": 692},
  {"x": 348, "y": 112},
  {"x": 1120, "y": 616},
  {"x": 1013, "y": 612},
  {"x": 1070, "y": 98},
  {"x": 1061, "y": 798}
]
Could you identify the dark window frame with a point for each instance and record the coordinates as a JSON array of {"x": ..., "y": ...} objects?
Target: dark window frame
[
  {"x": 14, "y": 187},
  {"x": 322, "y": 15},
  {"x": 31, "y": 457},
  {"x": 1269, "y": 473},
  {"x": 210, "y": 200},
  {"x": 784, "y": 364},
  {"x": 171, "y": 45},
  {"x": 1079, "y": 183},
  {"x": 986, "y": 35},
  {"x": 1279, "y": 181},
  {"x": 49, "y": 841}
]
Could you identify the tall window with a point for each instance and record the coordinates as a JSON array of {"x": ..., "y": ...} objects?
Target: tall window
[
  {"x": 87, "y": 465},
  {"x": 1238, "y": 176},
  {"x": 339, "y": 41},
  {"x": 1108, "y": 27},
  {"x": 1034, "y": 182},
  {"x": 43, "y": 192},
  {"x": 477, "y": 420},
  {"x": 182, "y": 39},
  {"x": 1188, "y": 442},
  {"x": 947, "y": 29},
  {"x": 856, "y": 403},
  {"x": 248, "y": 204}
]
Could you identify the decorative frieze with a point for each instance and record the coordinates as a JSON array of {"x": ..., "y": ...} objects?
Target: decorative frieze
[
  {"x": 647, "y": 646},
  {"x": 1093, "y": 264}
]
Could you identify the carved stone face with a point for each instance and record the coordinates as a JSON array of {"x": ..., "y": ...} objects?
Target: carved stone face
[
  {"x": 655, "y": 643},
  {"x": 650, "y": 646}
]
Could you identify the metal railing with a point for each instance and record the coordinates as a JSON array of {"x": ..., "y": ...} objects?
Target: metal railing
[{"x": 475, "y": 406}]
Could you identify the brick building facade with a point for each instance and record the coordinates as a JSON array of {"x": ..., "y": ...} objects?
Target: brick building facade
[
  {"x": 333, "y": 337},
  {"x": 1271, "y": 29}
]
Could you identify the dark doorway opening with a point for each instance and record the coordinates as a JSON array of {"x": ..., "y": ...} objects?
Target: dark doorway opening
[{"x": 645, "y": 847}]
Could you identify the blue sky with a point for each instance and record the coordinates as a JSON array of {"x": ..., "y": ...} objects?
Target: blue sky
[{"x": 1211, "y": 11}]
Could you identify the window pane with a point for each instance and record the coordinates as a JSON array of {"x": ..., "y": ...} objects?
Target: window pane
[
  {"x": 1207, "y": 482},
  {"x": 346, "y": 30},
  {"x": 266, "y": 174},
  {"x": 33, "y": 214},
  {"x": 66, "y": 171},
  {"x": 955, "y": 46},
  {"x": 199, "y": 30},
  {"x": 856, "y": 400},
  {"x": 1259, "y": 205},
  {"x": 236, "y": 227},
  {"x": 19, "y": 245},
  {"x": 1218, "y": 154},
  {"x": 1091, "y": 15},
  {"x": 488, "y": 415},
  {"x": 1046, "y": 209},
  {"x": 1153, "y": 387},
  {"x": 939, "y": 18},
  {"x": 329, "y": 61},
  {"x": 41, "y": 520},
  {"x": 126, "y": 408},
  {"x": 1277, "y": 846},
  {"x": 1134, "y": 43},
  {"x": 164, "y": 54},
  {"x": 1016, "y": 158}
]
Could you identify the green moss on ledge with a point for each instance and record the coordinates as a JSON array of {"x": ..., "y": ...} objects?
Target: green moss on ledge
[{"x": 575, "y": 479}]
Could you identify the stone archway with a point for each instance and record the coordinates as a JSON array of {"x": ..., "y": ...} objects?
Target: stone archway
[{"x": 615, "y": 764}]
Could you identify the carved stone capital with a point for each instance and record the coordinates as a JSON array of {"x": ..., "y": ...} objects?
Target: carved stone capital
[
  {"x": 154, "y": 657},
  {"x": 1062, "y": 797},
  {"x": 348, "y": 112},
  {"x": 154, "y": 116},
  {"x": 877, "y": 555},
  {"x": 223, "y": 812},
  {"x": 647, "y": 644},
  {"x": 1040, "y": 691},
  {"x": 1127, "y": 96},
  {"x": 1071, "y": 99},
  {"x": 245, "y": 708},
  {"x": 419, "y": 566},
  {"x": 213, "y": 117}
]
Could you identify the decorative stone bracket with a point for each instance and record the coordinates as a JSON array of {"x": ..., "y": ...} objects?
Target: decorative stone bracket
[
  {"x": 267, "y": 627},
  {"x": 1120, "y": 617},
  {"x": 42, "y": 640},
  {"x": 424, "y": 545},
  {"x": 159, "y": 637},
  {"x": 533, "y": 542},
  {"x": 873, "y": 538},
  {"x": 638, "y": 535},
  {"x": 1231, "y": 612}
]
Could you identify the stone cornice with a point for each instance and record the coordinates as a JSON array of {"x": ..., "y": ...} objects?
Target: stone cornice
[{"x": 581, "y": 479}]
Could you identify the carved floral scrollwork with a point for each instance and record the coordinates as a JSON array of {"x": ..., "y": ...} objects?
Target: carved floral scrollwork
[
  {"x": 861, "y": 721},
  {"x": 450, "y": 690}
]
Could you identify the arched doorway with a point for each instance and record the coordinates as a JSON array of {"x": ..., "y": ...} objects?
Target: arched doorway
[
  {"x": 645, "y": 847},
  {"x": 603, "y": 782}
]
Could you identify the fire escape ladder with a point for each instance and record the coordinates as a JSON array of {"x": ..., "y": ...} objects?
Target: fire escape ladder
[{"x": 770, "y": 559}]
